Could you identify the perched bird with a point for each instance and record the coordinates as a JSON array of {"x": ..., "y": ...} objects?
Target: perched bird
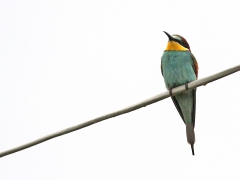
[{"x": 179, "y": 67}]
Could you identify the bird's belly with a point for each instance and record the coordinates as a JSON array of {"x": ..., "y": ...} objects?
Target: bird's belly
[{"x": 177, "y": 69}]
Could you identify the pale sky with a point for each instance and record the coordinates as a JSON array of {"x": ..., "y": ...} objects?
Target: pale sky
[{"x": 65, "y": 62}]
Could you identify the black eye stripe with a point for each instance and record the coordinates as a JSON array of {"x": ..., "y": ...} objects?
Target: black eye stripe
[
  {"x": 176, "y": 40},
  {"x": 182, "y": 43}
]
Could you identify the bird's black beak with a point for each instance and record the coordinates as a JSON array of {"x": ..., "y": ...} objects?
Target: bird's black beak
[{"x": 169, "y": 36}]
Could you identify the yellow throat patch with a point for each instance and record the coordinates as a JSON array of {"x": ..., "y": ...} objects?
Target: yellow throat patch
[{"x": 174, "y": 46}]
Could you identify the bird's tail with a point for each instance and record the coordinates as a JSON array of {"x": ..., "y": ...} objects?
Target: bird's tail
[{"x": 190, "y": 135}]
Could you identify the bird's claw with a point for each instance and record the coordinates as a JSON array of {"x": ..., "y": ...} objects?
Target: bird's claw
[
  {"x": 170, "y": 92},
  {"x": 186, "y": 86}
]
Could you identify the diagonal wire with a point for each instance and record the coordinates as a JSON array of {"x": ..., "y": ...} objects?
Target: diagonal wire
[{"x": 144, "y": 103}]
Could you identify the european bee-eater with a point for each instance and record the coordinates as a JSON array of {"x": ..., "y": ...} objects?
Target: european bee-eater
[{"x": 179, "y": 67}]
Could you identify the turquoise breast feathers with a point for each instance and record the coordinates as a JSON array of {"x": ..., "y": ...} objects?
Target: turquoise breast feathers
[{"x": 177, "y": 67}]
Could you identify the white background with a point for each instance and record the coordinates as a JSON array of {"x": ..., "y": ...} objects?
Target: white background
[{"x": 65, "y": 62}]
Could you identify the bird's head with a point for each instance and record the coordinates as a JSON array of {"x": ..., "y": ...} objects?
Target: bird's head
[{"x": 177, "y": 43}]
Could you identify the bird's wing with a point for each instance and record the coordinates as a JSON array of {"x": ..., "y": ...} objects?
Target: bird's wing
[
  {"x": 161, "y": 69},
  {"x": 194, "y": 106},
  {"x": 195, "y": 68},
  {"x": 195, "y": 65}
]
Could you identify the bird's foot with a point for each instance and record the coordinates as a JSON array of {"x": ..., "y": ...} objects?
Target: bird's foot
[
  {"x": 170, "y": 92},
  {"x": 186, "y": 86}
]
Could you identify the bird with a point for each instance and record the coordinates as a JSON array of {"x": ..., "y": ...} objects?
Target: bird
[{"x": 179, "y": 67}]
